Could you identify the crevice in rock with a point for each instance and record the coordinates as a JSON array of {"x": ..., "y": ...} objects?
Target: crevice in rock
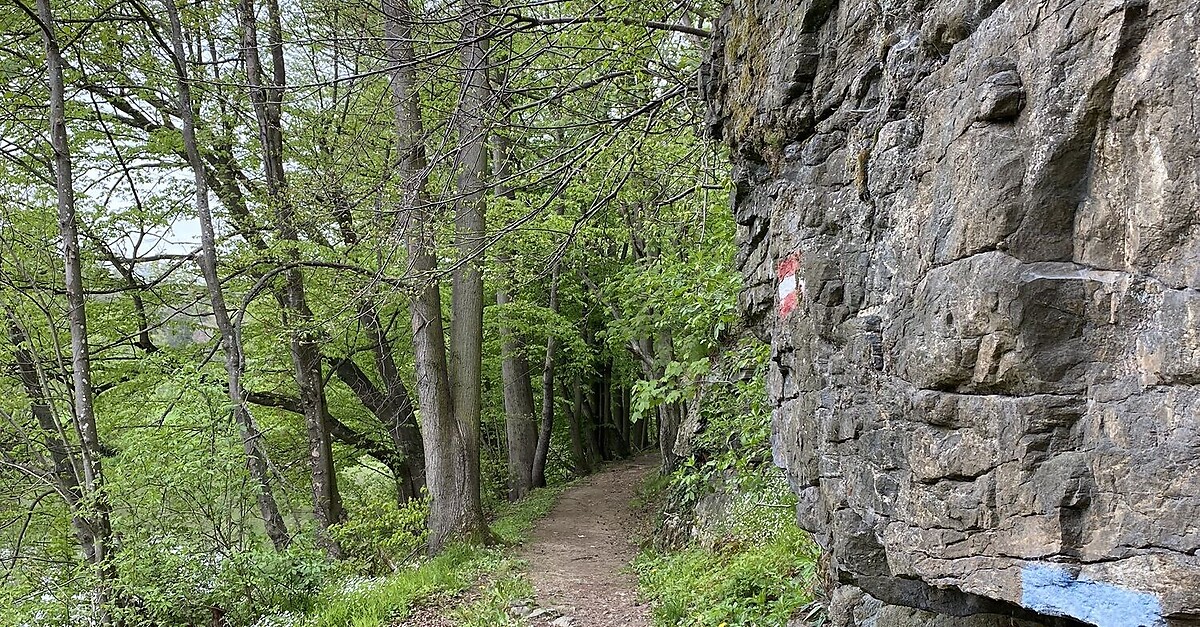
[{"x": 956, "y": 397}]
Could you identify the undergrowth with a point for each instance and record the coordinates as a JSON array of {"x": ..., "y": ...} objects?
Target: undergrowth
[
  {"x": 727, "y": 551},
  {"x": 756, "y": 570},
  {"x": 481, "y": 582},
  {"x": 752, "y": 584}
]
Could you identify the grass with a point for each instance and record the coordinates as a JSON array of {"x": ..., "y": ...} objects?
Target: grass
[
  {"x": 650, "y": 491},
  {"x": 504, "y": 587},
  {"x": 497, "y": 577},
  {"x": 514, "y": 521},
  {"x": 752, "y": 583},
  {"x": 753, "y": 566}
]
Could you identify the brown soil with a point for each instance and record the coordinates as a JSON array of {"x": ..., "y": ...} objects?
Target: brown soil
[{"x": 579, "y": 554}]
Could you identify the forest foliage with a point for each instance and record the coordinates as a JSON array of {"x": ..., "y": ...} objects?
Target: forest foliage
[{"x": 295, "y": 293}]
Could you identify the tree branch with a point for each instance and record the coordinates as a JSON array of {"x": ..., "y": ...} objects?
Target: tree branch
[
  {"x": 605, "y": 19},
  {"x": 339, "y": 430}
]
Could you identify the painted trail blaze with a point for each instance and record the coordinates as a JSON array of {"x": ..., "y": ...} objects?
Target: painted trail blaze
[
  {"x": 790, "y": 287},
  {"x": 1055, "y": 591}
]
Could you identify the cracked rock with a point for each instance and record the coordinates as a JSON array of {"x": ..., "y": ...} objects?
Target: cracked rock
[{"x": 987, "y": 394}]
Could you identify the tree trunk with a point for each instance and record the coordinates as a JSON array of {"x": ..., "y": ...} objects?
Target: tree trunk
[
  {"x": 617, "y": 415},
  {"x": 466, "y": 323},
  {"x": 594, "y": 419},
  {"x": 622, "y": 393},
  {"x": 520, "y": 429},
  {"x": 670, "y": 416},
  {"x": 639, "y": 432},
  {"x": 96, "y": 520},
  {"x": 306, "y": 357},
  {"x": 408, "y": 471},
  {"x": 63, "y": 460},
  {"x": 398, "y": 413},
  {"x": 451, "y": 440},
  {"x": 547, "y": 429},
  {"x": 579, "y": 448},
  {"x": 604, "y": 414},
  {"x": 267, "y": 101},
  {"x": 455, "y": 509},
  {"x": 393, "y": 405},
  {"x": 519, "y": 424},
  {"x": 256, "y": 456}
]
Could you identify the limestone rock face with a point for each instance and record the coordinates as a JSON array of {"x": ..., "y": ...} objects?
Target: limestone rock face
[{"x": 971, "y": 231}]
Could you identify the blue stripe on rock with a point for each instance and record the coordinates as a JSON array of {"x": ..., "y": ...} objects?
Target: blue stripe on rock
[{"x": 1056, "y": 592}]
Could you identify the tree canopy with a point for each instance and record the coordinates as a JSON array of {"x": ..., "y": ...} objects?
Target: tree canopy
[{"x": 293, "y": 285}]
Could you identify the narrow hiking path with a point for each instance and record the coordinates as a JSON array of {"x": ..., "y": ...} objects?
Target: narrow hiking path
[{"x": 579, "y": 554}]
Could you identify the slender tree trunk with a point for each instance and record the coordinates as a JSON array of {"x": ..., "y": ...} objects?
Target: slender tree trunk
[
  {"x": 595, "y": 420},
  {"x": 62, "y": 457},
  {"x": 639, "y": 432},
  {"x": 96, "y": 516},
  {"x": 519, "y": 423},
  {"x": 547, "y": 428},
  {"x": 630, "y": 429},
  {"x": 520, "y": 429},
  {"x": 670, "y": 416},
  {"x": 393, "y": 405},
  {"x": 603, "y": 414},
  {"x": 446, "y": 461},
  {"x": 267, "y": 100},
  {"x": 621, "y": 416},
  {"x": 256, "y": 456},
  {"x": 616, "y": 412},
  {"x": 591, "y": 420},
  {"x": 306, "y": 357},
  {"x": 577, "y": 431}
]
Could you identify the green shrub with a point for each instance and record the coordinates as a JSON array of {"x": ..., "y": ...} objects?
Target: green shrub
[
  {"x": 382, "y": 535},
  {"x": 255, "y": 583},
  {"x": 172, "y": 584},
  {"x": 745, "y": 562}
]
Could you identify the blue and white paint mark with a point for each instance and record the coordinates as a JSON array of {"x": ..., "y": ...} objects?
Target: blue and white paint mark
[{"x": 1055, "y": 591}]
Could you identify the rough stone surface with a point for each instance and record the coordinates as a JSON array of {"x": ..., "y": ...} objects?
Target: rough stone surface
[{"x": 988, "y": 388}]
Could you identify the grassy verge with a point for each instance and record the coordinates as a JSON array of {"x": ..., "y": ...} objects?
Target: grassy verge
[
  {"x": 497, "y": 577},
  {"x": 759, "y": 584},
  {"x": 755, "y": 569}
]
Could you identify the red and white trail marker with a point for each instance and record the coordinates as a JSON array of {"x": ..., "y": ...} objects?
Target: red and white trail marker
[{"x": 790, "y": 287}]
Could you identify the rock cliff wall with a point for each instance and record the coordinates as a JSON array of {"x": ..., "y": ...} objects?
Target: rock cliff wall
[{"x": 971, "y": 231}]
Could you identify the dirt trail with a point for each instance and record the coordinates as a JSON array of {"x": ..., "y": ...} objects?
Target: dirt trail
[{"x": 577, "y": 553}]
